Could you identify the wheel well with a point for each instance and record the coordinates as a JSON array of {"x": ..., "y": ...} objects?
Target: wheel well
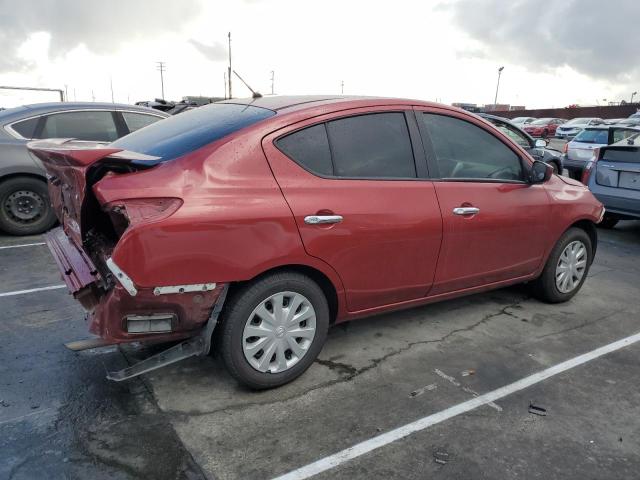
[
  {"x": 589, "y": 227},
  {"x": 316, "y": 275},
  {"x": 9, "y": 176}
]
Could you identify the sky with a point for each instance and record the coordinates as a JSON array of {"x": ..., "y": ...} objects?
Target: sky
[{"x": 554, "y": 53}]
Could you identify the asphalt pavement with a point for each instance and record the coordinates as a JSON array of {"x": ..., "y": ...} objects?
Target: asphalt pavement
[{"x": 61, "y": 418}]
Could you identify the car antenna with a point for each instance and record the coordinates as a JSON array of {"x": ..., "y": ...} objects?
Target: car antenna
[{"x": 255, "y": 94}]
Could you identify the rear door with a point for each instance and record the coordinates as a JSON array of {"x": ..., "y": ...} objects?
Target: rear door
[
  {"x": 364, "y": 174},
  {"x": 494, "y": 223}
]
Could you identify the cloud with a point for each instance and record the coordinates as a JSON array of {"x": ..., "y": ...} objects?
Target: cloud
[
  {"x": 594, "y": 37},
  {"x": 216, "y": 52},
  {"x": 102, "y": 26}
]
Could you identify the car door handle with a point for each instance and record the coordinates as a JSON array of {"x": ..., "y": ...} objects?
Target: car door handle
[
  {"x": 322, "y": 219},
  {"x": 466, "y": 210}
]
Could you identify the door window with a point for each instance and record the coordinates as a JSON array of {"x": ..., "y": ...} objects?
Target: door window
[
  {"x": 95, "y": 126},
  {"x": 466, "y": 151},
  {"x": 375, "y": 145},
  {"x": 135, "y": 121},
  {"x": 26, "y": 128}
]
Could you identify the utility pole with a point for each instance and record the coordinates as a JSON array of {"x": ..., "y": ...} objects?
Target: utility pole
[
  {"x": 272, "y": 80},
  {"x": 111, "y": 84},
  {"x": 66, "y": 95},
  {"x": 225, "y": 85},
  {"x": 93, "y": 97},
  {"x": 229, "y": 70},
  {"x": 495, "y": 100},
  {"x": 161, "y": 67},
  {"x": 342, "y": 87},
  {"x": 633, "y": 95}
]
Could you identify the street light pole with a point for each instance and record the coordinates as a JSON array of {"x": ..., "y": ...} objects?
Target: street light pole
[
  {"x": 495, "y": 100},
  {"x": 273, "y": 74},
  {"x": 633, "y": 95},
  {"x": 161, "y": 67}
]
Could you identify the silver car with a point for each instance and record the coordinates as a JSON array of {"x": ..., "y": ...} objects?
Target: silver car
[
  {"x": 24, "y": 200},
  {"x": 581, "y": 150},
  {"x": 574, "y": 126}
]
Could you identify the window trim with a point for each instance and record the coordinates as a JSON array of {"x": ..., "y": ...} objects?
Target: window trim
[
  {"x": 432, "y": 160},
  {"x": 9, "y": 127},
  {"x": 416, "y": 150}
]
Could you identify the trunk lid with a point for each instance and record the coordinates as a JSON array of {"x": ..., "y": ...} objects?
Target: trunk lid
[{"x": 68, "y": 164}]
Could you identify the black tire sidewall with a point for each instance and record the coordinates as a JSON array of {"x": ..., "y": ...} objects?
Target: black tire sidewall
[
  {"x": 548, "y": 288},
  {"x": 240, "y": 307},
  {"x": 45, "y": 222}
]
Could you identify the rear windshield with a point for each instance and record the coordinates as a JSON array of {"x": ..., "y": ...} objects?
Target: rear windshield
[
  {"x": 622, "y": 154},
  {"x": 593, "y": 136},
  {"x": 184, "y": 133}
]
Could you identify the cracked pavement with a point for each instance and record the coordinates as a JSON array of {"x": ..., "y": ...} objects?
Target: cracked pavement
[{"x": 191, "y": 420}]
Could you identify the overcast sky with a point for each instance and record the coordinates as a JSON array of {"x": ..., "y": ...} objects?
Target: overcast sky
[{"x": 554, "y": 53}]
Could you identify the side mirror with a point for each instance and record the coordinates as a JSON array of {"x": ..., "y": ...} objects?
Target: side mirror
[
  {"x": 541, "y": 143},
  {"x": 540, "y": 172}
]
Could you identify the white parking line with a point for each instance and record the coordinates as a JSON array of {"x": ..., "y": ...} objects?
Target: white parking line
[
  {"x": 23, "y": 245},
  {"x": 374, "y": 443},
  {"x": 31, "y": 290}
]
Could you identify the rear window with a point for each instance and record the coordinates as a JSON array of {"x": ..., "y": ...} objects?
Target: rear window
[
  {"x": 622, "y": 154},
  {"x": 593, "y": 136},
  {"x": 189, "y": 131},
  {"x": 26, "y": 128}
]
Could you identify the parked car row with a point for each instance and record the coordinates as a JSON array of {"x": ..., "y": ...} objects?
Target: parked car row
[{"x": 25, "y": 208}]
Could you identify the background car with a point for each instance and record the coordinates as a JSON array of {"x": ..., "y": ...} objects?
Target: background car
[
  {"x": 520, "y": 121},
  {"x": 580, "y": 151},
  {"x": 614, "y": 178},
  {"x": 629, "y": 122},
  {"x": 536, "y": 148},
  {"x": 613, "y": 121},
  {"x": 543, "y": 127},
  {"x": 24, "y": 201},
  {"x": 574, "y": 126}
]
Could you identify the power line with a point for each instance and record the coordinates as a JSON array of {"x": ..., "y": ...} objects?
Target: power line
[{"x": 161, "y": 67}]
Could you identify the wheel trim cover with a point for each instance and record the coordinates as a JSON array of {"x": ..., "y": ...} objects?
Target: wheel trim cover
[
  {"x": 571, "y": 266},
  {"x": 279, "y": 332}
]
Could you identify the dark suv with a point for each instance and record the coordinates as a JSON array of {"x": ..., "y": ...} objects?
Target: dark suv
[{"x": 24, "y": 202}]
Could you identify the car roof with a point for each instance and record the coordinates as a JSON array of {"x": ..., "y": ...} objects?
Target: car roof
[
  {"x": 26, "y": 111},
  {"x": 290, "y": 103}
]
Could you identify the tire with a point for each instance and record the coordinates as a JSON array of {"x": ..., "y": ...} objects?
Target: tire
[
  {"x": 25, "y": 208},
  {"x": 608, "y": 222},
  {"x": 240, "y": 318},
  {"x": 545, "y": 134},
  {"x": 546, "y": 287},
  {"x": 556, "y": 168}
]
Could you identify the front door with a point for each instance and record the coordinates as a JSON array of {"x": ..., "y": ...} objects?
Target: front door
[
  {"x": 494, "y": 222},
  {"x": 361, "y": 202}
]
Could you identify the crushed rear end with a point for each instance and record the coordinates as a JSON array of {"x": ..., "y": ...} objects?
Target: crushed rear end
[{"x": 118, "y": 308}]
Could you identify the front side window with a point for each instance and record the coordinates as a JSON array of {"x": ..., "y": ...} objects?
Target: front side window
[
  {"x": 375, "y": 145},
  {"x": 136, "y": 121},
  {"x": 97, "y": 126},
  {"x": 466, "y": 151}
]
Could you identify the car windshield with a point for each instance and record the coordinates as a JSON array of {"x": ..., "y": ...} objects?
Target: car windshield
[
  {"x": 600, "y": 136},
  {"x": 577, "y": 121},
  {"x": 184, "y": 133},
  {"x": 541, "y": 121}
]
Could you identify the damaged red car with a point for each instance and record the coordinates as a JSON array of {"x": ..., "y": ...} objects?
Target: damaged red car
[{"x": 257, "y": 224}]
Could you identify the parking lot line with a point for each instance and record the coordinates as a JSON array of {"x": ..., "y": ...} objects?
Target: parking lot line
[
  {"x": 31, "y": 290},
  {"x": 379, "y": 441},
  {"x": 23, "y": 245}
]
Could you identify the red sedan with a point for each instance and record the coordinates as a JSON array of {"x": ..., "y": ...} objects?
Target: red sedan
[
  {"x": 260, "y": 223},
  {"x": 543, "y": 127}
]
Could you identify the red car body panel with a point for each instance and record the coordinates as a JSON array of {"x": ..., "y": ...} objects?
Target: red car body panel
[
  {"x": 243, "y": 204},
  {"x": 548, "y": 129}
]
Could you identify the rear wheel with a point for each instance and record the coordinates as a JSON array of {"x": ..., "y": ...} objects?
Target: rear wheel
[
  {"x": 545, "y": 134},
  {"x": 608, "y": 222},
  {"x": 566, "y": 268},
  {"x": 273, "y": 329},
  {"x": 24, "y": 206}
]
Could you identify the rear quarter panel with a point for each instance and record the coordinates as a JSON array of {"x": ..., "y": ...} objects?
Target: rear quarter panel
[{"x": 16, "y": 159}]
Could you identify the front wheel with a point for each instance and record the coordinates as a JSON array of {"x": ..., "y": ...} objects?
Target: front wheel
[
  {"x": 24, "y": 206},
  {"x": 566, "y": 268},
  {"x": 273, "y": 329}
]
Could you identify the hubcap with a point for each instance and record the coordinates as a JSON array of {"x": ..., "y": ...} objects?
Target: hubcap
[
  {"x": 279, "y": 332},
  {"x": 24, "y": 206},
  {"x": 571, "y": 266}
]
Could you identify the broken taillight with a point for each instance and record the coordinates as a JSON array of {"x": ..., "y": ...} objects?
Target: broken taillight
[{"x": 135, "y": 211}]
